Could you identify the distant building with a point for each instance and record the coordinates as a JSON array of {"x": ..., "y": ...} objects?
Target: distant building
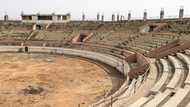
[{"x": 45, "y": 18}]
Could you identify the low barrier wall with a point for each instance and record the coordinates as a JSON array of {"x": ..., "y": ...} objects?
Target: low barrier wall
[
  {"x": 57, "y": 47},
  {"x": 108, "y": 59},
  {"x": 11, "y": 49},
  {"x": 119, "y": 63}
]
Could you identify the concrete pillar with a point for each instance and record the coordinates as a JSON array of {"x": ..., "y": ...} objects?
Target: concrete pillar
[
  {"x": 22, "y": 44},
  {"x": 34, "y": 18},
  {"x": 22, "y": 13},
  {"x": 162, "y": 14},
  {"x": 181, "y": 13},
  {"x": 113, "y": 17},
  {"x": 129, "y": 16},
  {"x": 83, "y": 17},
  {"x": 34, "y": 27},
  {"x": 121, "y": 18},
  {"x": 69, "y": 16},
  {"x": 102, "y": 17},
  {"x": 145, "y": 15},
  {"x": 117, "y": 17},
  {"x": 98, "y": 16},
  {"x": 6, "y": 17},
  {"x": 54, "y": 17}
]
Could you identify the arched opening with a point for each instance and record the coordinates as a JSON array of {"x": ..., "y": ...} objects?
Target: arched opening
[
  {"x": 39, "y": 27},
  {"x": 82, "y": 37},
  {"x": 26, "y": 49},
  {"x": 152, "y": 27}
]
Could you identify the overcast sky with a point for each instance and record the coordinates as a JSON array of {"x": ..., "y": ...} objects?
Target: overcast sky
[{"x": 90, "y": 7}]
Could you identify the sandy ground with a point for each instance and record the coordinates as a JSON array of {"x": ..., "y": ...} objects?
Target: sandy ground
[{"x": 68, "y": 81}]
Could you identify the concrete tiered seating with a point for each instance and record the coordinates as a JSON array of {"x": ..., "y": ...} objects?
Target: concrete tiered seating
[
  {"x": 140, "y": 102},
  {"x": 159, "y": 99},
  {"x": 141, "y": 88},
  {"x": 188, "y": 105},
  {"x": 139, "y": 49},
  {"x": 187, "y": 52},
  {"x": 110, "y": 37},
  {"x": 54, "y": 35},
  {"x": 159, "y": 69},
  {"x": 160, "y": 84},
  {"x": 178, "y": 74},
  {"x": 186, "y": 59},
  {"x": 185, "y": 96},
  {"x": 175, "y": 83},
  {"x": 172, "y": 86},
  {"x": 14, "y": 35},
  {"x": 177, "y": 99},
  {"x": 173, "y": 93},
  {"x": 145, "y": 43}
]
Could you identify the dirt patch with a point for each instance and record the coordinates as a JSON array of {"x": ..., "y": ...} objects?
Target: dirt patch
[{"x": 68, "y": 81}]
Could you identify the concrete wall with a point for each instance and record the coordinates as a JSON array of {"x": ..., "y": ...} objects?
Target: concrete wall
[
  {"x": 11, "y": 48},
  {"x": 54, "y": 20},
  {"x": 115, "y": 62},
  {"x": 119, "y": 64}
]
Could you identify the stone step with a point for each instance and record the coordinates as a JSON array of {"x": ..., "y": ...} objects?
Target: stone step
[
  {"x": 178, "y": 74},
  {"x": 164, "y": 78},
  {"x": 186, "y": 59},
  {"x": 159, "y": 99},
  {"x": 177, "y": 99}
]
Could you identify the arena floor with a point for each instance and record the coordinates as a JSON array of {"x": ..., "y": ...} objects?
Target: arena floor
[{"x": 68, "y": 81}]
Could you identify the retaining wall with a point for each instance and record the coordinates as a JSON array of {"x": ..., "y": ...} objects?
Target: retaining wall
[
  {"x": 108, "y": 59},
  {"x": 121, "y": 65}
]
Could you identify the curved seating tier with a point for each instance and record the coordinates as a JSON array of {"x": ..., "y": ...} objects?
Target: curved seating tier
[
  {"x": 164, "y": 77},
  {"x": 172, "y": 89},
  {"x": 139, "y": 91},
  {"x": 178, "y": 73}
]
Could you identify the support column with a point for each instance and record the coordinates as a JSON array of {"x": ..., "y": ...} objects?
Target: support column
[
  {"x": 68, "y": 16},
  {"x": 145, "y": 15},
  {"x": 98, "y": 16},
  {"x": 129, "y": 16},
  {"x": 54, "y": 17},
  {"x": 117, "y": 17},
  {"x": 113, "y": 17},
  {"x": 83, "y": 17},
  {"x": 181, "y": 13},
  {"x": 6, "y": 17},
  {"x": 162, "y": 14},
  {"x": 121, "y": 18},
  {"x": 102, "y": 17}
]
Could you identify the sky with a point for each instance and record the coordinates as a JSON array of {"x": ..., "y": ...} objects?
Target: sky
[{"x": 90, "y": 7}]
